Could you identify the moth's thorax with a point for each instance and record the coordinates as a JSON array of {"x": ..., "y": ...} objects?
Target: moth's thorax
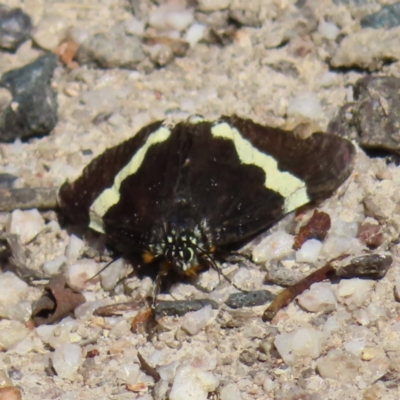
[{"x": 183, "y": 244}]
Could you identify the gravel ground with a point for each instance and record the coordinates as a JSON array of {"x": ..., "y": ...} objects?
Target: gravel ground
[{"x": 286, "y": 64}]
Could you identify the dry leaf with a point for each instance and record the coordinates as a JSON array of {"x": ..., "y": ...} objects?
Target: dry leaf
[{"x": 57, "y": 302}]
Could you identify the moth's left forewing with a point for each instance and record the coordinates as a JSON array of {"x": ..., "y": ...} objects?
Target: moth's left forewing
[
  {"x": 77, "y": 197},
  {"x": 323, "y": 161}
]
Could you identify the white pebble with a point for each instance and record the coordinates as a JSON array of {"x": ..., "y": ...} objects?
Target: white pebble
[
  {"x": 307, "y": 342},
  {"x": 343, "y": 229},
  {"x": 12, "y": 291},
  {"x": 70, "y": 395},
  {"x": 376, "y": 311},
  {"x": 16, "y": 148},
  {"x": 328, "y": 29},
  {"x": 242, "y": 278},
  {"x": 85, "y": 310},
  {"x": 112, "y": 274},
  {"x": 328, "y": 79},
  {"x": 57, "y": 335},
  {"x": 160, "y": 357},
  {"x": 167, "y": 372},
  {"x": 60, "y": 168},
  {"x": 230, "y": 392},
  {"x": 209, "y": 280},
  {"x": 355, "y": 347},
  {"x": 188, "y": 105},
  {"x": 204, "y": 360},
  {"x": 66, "y": 360},
  {"x": 81, "y": 274},
  {"x": 169, "y": 17},
  {"x": 269, "y": 385},
  {"x": 309, "y": 251},
  {"x": 11, "y": 333},
  {"x": 74, "y": 248},
  {"x": 193, "y": 322},
  {"x": 78, "y": 33},
  {"x": 134, "y": 27},
  {"x": 273, "y": 247},
  {"x": 145, "y": 397},
  {"x": 361, "y": 316},
  {"x": 26, "y": 224},
  {"x": 52, "y": 267},
  {"x": 25, "y": 346},
  {"x": 54, "y": 226},
  {"x": 354, "y": 292},
  {"x": 129, "y": 373},
  {"x": 319, "y": 298},
  {"x": 50, "y": 31},
  {"x": 195, "y": 33},
  {"x": 335, "y": 246},
  {"x": 306, "y": 105},
  {"x": 117, "y": 121},
  {"x": 45, "y": 332},
  {"x": 213, "y": 5},
  {"x": 339, "y": 365},
  {"x": 21, "y": 311},
  {"x": 331, "y": 324},
  {"x": 299, "y": 343},
  {"x": 103, "y": 99},
  {"x": 120, "y": 330},
  {"x": 192, "y": 383}
]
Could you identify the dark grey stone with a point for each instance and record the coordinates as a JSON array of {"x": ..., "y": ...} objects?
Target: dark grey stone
[
  {"x": 33, "y": 109},
  {"x": 181, "y": 307},
  {"x": 373, "y": 119},
  {"x": 15, "y": 27}
]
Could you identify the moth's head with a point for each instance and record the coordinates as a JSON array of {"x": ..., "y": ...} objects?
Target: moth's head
[
  {"x": 184, "y": 247},
  {"x": 183, "y": 251}
]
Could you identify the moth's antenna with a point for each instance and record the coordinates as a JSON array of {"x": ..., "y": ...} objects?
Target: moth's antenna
[
  {"x": 99, "y": 272},
  {"x": 217, "y": 268}
]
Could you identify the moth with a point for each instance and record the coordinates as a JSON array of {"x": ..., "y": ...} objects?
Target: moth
[{"x": 181, "y": 194}]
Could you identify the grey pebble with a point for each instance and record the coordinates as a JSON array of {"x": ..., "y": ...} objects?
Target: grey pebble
[
  {"x": 250, "y": 299},
  {"x": 356, "y": 3},
  {"x": 387, "y": 17},
  {"x": 114, "y": 49},
  {"x": 7, "y": 180},
  {"x": 248, "y": 357}
]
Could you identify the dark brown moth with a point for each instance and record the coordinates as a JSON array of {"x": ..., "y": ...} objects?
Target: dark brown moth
[{"x": 180, "y": 194}]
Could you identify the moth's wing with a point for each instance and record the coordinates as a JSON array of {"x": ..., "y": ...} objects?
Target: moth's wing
[
  {"x": 324, "y": 161},
  {"x": 124, "y": 192},
  {"x": 145, "y": 198},
  {"x": 75, "y": 198},
  {"x": 230, "y": 196},
  {"x": 232, "y": 191}
]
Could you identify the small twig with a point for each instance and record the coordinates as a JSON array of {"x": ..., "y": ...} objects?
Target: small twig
[
  {"x": 27, "y": 198},
  {"x": 367, "y": 266},
  {"x": 290, "y": 293}
]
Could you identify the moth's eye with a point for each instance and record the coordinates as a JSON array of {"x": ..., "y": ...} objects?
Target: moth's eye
[
  {"x": 169, "y": 254},
  {"x": 188, "y": 254}
]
